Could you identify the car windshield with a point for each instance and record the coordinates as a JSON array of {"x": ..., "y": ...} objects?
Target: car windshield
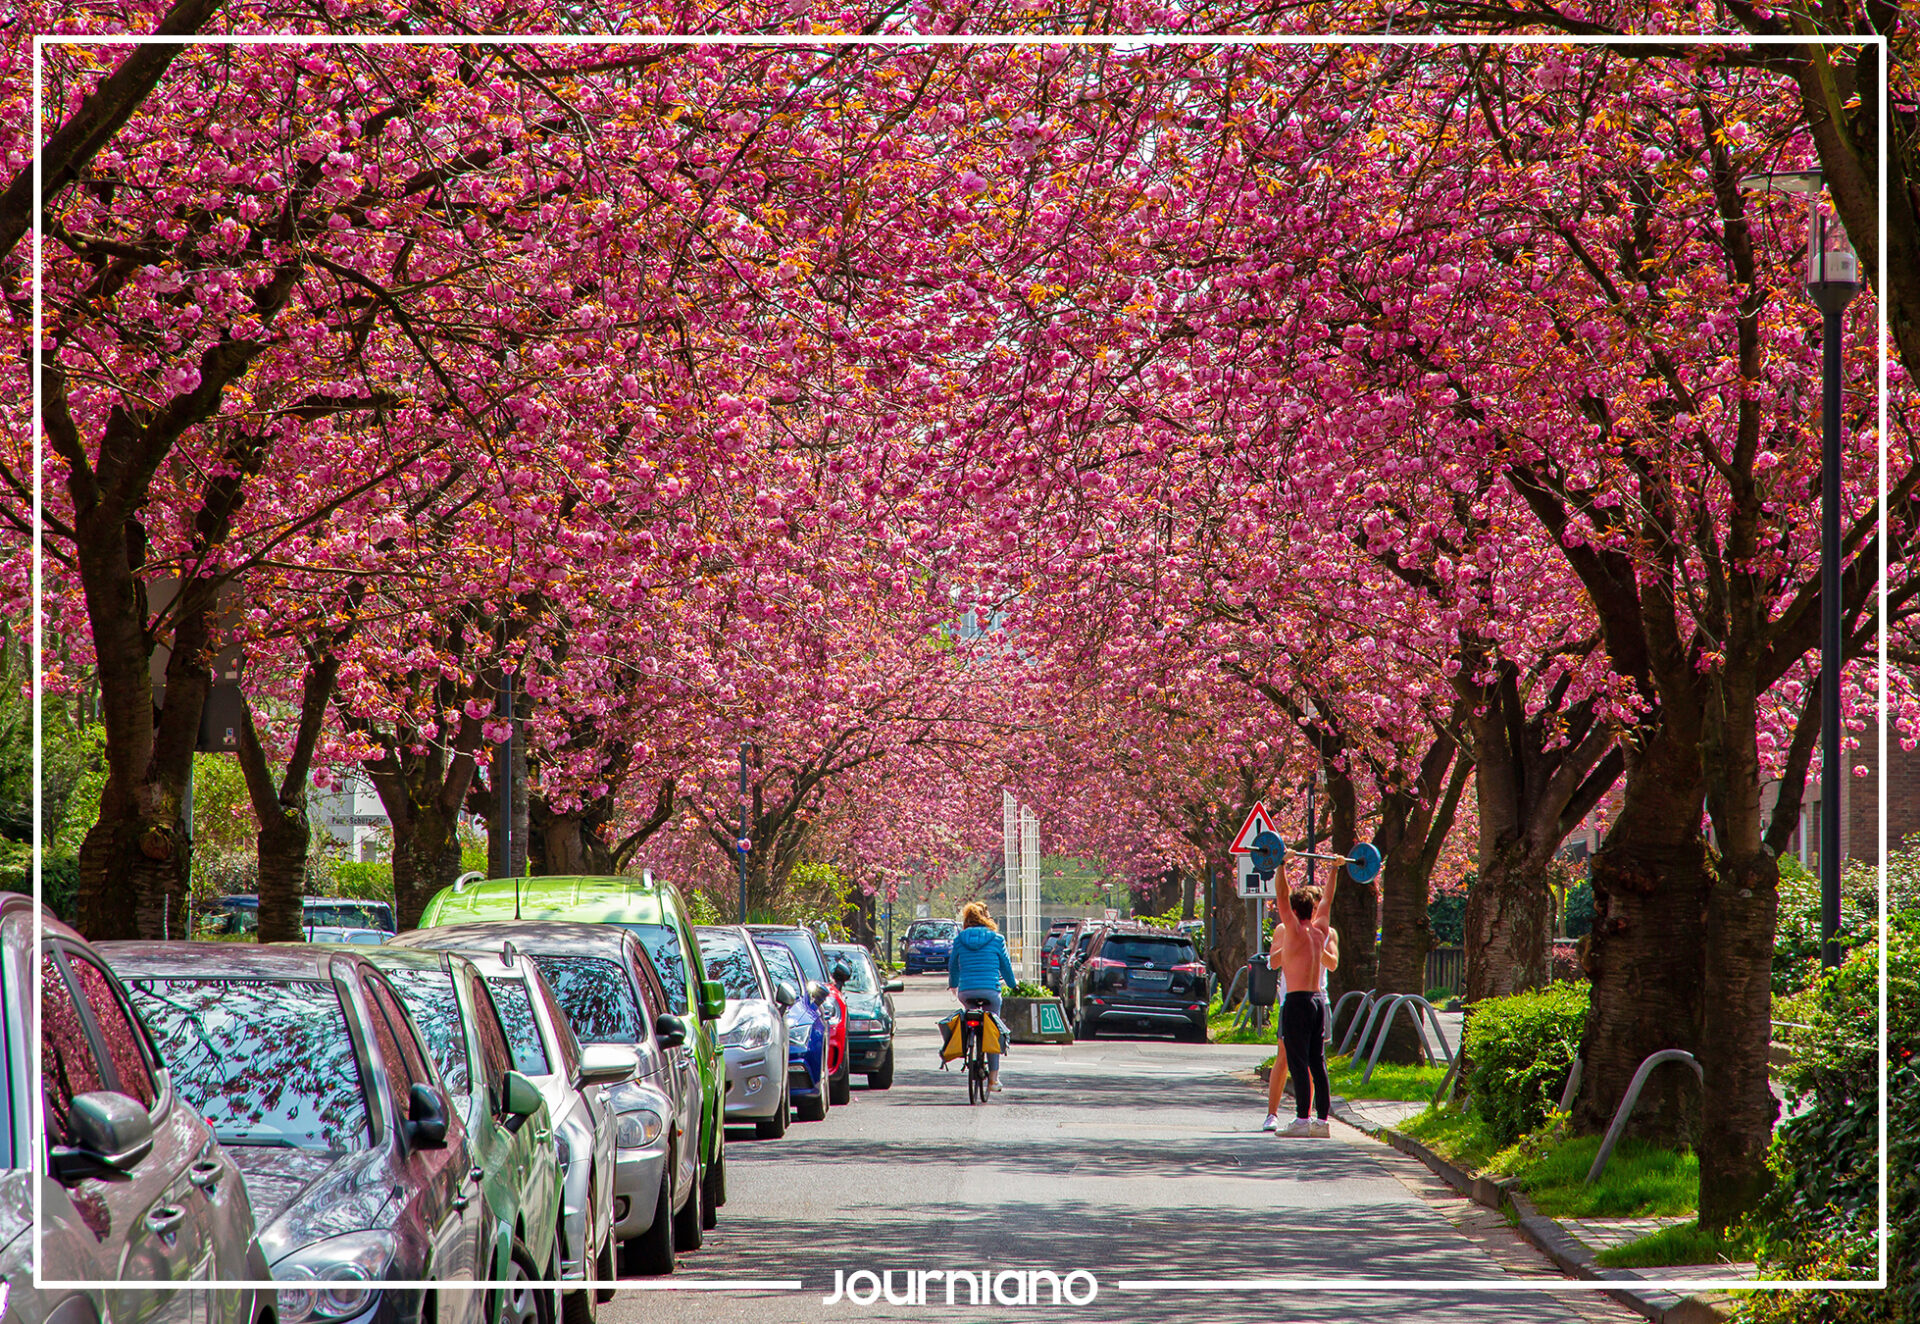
[
  {"x": 663, "y": 948},
  {"x": 430, "y": 1000},
  {"x": 780, "y": 963},
  {"x": 265, "y": 1062},
  {"x": 925, "y": 929},
  {"x": 599, "y": 1001},
  {"x": 1160, "y": 952},
  {"x": 349, "y": 915},
  {"x": 862, "y": 980},
  {"x": 805, "y": 954},
  {"x": 511, "y": 1000},
  {"x": 729, "y": 961}
]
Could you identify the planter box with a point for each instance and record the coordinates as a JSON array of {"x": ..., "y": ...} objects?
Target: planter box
[{"x": 1036, "y": 1020}]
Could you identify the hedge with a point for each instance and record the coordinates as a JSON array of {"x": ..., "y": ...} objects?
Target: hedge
[{"x": 1520, "y": 1049}]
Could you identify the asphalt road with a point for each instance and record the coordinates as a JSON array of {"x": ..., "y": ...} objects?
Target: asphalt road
[{"x": 1133, "y": 1158}]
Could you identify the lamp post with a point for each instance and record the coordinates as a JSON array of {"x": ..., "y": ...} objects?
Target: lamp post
[
  {"x": 743, "y": 843},
  {"x": 1833, "y": 279}
]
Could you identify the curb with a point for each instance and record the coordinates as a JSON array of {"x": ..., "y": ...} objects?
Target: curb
[{"x": 1543, "y": 1233}]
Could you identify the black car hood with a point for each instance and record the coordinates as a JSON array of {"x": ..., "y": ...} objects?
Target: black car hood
[{"x": 300, "y": 1196}]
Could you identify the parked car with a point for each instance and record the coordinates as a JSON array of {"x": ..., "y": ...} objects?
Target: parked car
[
  {"x": 808, "y": 1081},
  {"x": 657, "y": 914},
  {"x": 926, "y": 945},
  {"x": 516, "y": 1166},
  {"x": 1147, "y": 979},
  {"x": 136, "y": 1188},
  {"x": 322, "y": 919},
  {"x": 320, "y": 1085},
  {"x": 813, "y": 963},
  {"x": 1051, "y": 951},
  {"x": 611, "y": 994},
  {"x": 753, "y": 1030},
  {"x": 570, "y": 1079},
  {"x": 869, "y": 1013},
  {"x": 1071, "y": 956}
]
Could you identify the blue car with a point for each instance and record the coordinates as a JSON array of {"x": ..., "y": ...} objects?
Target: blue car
[
  {"x": 927, "y": 944},
  {"x": 806, "y": 1033}
]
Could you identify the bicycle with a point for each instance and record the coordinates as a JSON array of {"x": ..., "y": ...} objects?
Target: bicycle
[{"x": 973, "y": 1054}]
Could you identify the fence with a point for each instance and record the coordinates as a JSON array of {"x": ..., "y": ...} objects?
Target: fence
[{"x": 1447, "y": 968}]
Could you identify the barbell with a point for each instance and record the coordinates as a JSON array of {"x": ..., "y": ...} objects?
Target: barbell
[{"x": 1269, "y": 852}]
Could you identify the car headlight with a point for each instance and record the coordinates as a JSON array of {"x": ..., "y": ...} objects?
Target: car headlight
[
  {"x": 799, "y": 1034},
  {"x": 749, "y": 1032},
  {"x": 831, "y": 1010},
  {"x": 866, "y": 1025},
  {"x": 638, "y": 1129},
  {"x": 321, "y": 1278}
]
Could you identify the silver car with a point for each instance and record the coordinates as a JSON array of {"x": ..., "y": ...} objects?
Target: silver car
[
  {"x": 573, "y": 1082},
  {"x": 605, "y": 984},
  {"x": 136, "y": 1188},
  {"x": 753, "y": 1029}
]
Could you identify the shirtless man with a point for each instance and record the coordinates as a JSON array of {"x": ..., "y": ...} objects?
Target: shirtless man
[
  {"x": 1302, "y": 941},
  {"x": 1277, "y": 1079}
]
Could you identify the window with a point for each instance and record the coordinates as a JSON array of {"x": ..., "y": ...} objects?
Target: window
[
  {"x": 599, "y": 1001},
  {"x": 780, "y": 964},
  {"x": 514, "y": 1006},
  {"x": 400, "y": 1056},
  {"x": 564, "y": 1042},
  {"x": 1162, "y": 953},
  {"x": 669, "y": 962},
  {"x": 496, "y": 1059},
  {"x": 729, "y": 961},
  {"x": 429, "y": 998},
  {"x": 66, "y": 1057},
  {"x": 121, "y": 1036},
  {"x": 863, "y": 979},
  {"x": 650, "y": 990},
  {"x": 265, "y": 1062}
]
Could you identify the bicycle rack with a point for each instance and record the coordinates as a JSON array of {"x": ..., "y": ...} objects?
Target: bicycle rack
[
  {"x": 1414, "y": 1003},
  {"x": 1573, "y": 1084},
  {"x": 1620, "y": 1115},
  {"x": 1333, "y": 1022},
  {"x": 1371, "y": 1011}
]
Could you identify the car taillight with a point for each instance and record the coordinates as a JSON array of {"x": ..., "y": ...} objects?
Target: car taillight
[{"x": 1191, "y": 968}]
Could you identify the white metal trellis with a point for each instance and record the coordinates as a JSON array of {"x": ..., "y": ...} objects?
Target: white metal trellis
[{"x": 1020, "y": 843}]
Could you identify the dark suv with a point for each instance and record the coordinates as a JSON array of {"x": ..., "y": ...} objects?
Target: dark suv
[{"x": 1142, "y": 979}]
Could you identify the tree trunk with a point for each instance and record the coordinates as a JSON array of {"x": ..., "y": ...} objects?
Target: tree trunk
[
  {"x": 133, "y": 874},
  {"x": 1506, "y": 922},
  {"x": 1186, "y": 893},
  {"x": 1356, "y": 906},
  {"x": 1227, "y": 930},
  {"x": 285, "y": 835},
  {"x": 426, "y": 858},
  {"x": 1650, "y": 880},
  {"x": 1736, "y": 1029},
  {"x": 1414, "y": 823},
  {"x": 560, "y": 845}
]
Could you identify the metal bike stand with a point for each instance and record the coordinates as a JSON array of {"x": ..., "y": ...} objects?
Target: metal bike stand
[
  {"x": 1573, "y": 1084},
  {"x": 1413, "y": 1002},
  {"x": 1333, "y": 1021},
  {"x": 1632, "y": 1096},
  {"x": 1375, "y": 1006}
]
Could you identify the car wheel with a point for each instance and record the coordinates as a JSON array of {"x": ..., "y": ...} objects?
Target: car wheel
[
  {"x": 652, "y": 1252},
  {"x": 815, "y": 1108},
  {"x": 883, "y": 1078},
  {"x": 523, "y": 1300},
  {"x": 772, "y": 1128},
  {"x": 713, "y": 1191},
  {"x": 688, "y": 1232},
  {"x": 842, "y": 1086},
  {"x": 604, "y": 1270},
  {"x": 1083, "y": 1027},
  {"x": 582, "y": 1306}
]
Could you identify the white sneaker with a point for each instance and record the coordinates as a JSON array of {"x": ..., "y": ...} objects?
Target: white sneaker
[
  {"x": 1299, "y": 1126},
  {"x": 1320, "y": 1130},
  {"x": 1272, "y": 1123},
  {"x": 996, "y": 1086}
]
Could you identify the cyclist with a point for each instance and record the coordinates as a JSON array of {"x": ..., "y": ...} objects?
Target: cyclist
[{"x": 976, "y": 967}]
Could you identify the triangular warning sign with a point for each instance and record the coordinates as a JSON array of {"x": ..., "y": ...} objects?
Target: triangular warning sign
[{"x": 1258, "y": 821}]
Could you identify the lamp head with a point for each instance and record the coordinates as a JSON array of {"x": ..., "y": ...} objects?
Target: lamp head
[{"x": 1833, "y": 270}]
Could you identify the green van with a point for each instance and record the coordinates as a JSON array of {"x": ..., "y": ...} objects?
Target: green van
[{"x": 657, "y": 914}]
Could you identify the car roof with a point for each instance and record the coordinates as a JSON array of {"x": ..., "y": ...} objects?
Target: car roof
[
  {"x": 228, "y": 960},
  {"x": 532, "y": 936},
  {"x": 22, "y": 903},
  {"x": 406, "y": 958},
  {"x": 577, "y": 898}
]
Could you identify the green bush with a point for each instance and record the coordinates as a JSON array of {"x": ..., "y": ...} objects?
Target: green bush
[
  {"x": 1447, "y": 916},
  {"x": 1821, "y": 1218},
  {"x": 1028, "y": 989},
  {"x": 1520, "y": 1050},
  {"x": 59, "y": 876},
  {"x": 1796, "y": 941},
  {"x": 1440, "y": 997},
  {"x": 363, "y": 880}
]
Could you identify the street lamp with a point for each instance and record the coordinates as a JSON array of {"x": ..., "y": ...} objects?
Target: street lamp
[{"x": 1833, "y": 279}]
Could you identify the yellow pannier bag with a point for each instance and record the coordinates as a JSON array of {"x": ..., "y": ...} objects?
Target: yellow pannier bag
[{"x": 993, "y": 1035}]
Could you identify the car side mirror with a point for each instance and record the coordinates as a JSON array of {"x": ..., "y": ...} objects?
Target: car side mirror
[
  {"x": 522, "y": 1095},
  {"x": 669, "y": 1031},
  {"x": 603, "y": 1064},
  {"x": 713, "y": 999},
  {"x": 111, "y": 1132},
  {"x": 817, "y": 992},
  {"x": 896, "y": 986},
  {"x": 785, "y": 994},
  {"x": 426, "y": 1117},
  {"x": 841, "y": 974}
]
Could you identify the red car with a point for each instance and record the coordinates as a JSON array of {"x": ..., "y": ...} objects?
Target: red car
[{"x": 813, "y": 963}]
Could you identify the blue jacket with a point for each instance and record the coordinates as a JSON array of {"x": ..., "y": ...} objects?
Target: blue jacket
[{"x": 978, "y": 959}]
